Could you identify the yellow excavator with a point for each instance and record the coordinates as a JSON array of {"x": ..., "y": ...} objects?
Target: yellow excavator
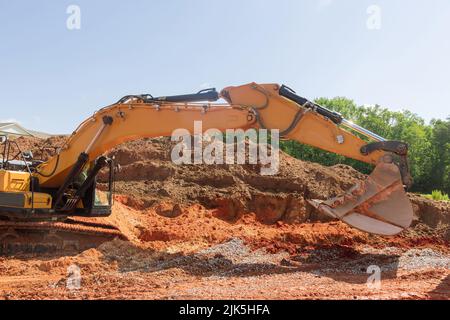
[{"x": 53, "y": 201}]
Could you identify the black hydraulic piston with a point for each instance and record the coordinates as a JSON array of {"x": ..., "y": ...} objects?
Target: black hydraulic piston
[
  {"x": 291, "y": 95},
  {"x": 203, "y": 95}
]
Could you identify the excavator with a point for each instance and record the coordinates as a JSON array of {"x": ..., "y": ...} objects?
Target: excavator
[{"x": 52, "y": 203}]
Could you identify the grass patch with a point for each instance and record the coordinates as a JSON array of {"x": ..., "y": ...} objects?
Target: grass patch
[{"x": 437, "y": 195}]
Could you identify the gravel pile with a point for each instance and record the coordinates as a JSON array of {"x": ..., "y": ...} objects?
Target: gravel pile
[
  {"x": 230, "y": 258},
  {"x": 236, "y": 251},
  {"x": 423, "y": 258},
  {"x": 389, "y": 259}
]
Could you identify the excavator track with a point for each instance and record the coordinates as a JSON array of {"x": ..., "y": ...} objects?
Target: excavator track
[{"x": 78, "y": 234}]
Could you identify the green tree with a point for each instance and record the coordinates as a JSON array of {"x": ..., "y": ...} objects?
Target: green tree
[{"x": 440, "y": 164}]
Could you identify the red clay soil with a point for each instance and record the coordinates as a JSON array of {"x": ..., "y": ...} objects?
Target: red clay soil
[{"x": 225, "y": 231}]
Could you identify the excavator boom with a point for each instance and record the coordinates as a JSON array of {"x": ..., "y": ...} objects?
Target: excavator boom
[{"x": 54, "y": 188}]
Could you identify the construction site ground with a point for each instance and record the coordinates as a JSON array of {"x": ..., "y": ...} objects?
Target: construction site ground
[{"x": 226, "y": 232}]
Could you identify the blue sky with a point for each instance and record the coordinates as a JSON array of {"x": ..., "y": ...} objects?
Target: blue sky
[{"x": 52, "y": 77}]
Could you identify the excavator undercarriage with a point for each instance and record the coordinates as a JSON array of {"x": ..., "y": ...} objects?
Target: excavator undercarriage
[
  {"x": 72, "y": 234},
  {"x": 49, "y": 204}
]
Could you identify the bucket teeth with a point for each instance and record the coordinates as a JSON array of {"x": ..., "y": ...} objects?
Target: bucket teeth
[
  {"x": 378, "y": 205},
  {"x": 320, "y": 206}
]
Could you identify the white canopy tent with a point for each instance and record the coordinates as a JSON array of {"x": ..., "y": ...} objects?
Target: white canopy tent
[{"x": 13, "y": 129}]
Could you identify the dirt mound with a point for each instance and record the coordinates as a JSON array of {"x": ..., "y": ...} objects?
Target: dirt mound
[
  {"x": 210, "y": 203},
  {"x": 42, "y": 148},
  {"x": 435, "y": 214},
  {"x": 149, "y": 177},
  {"x": 150, "y": 180}
]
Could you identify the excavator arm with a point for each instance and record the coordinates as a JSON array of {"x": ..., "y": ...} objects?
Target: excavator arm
[{"x": 378, "y": 205}]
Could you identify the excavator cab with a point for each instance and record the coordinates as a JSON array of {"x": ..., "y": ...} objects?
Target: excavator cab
[{"x": 19, "y": 195}]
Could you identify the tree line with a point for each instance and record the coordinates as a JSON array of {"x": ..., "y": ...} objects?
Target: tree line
[{"x": 429, "y": 143}]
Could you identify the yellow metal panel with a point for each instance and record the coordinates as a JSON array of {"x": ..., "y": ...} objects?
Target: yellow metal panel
[
  {"x": 41, "y": 200},
  {"x": 13, "y": 181},
  {"x": 24, "y": 200}
]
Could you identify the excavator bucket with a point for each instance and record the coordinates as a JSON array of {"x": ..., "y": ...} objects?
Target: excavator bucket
[{"x": 379, "y": 205}]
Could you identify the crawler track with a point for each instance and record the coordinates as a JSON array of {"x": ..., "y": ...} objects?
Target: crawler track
[{"x": 45, "y": 236}]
